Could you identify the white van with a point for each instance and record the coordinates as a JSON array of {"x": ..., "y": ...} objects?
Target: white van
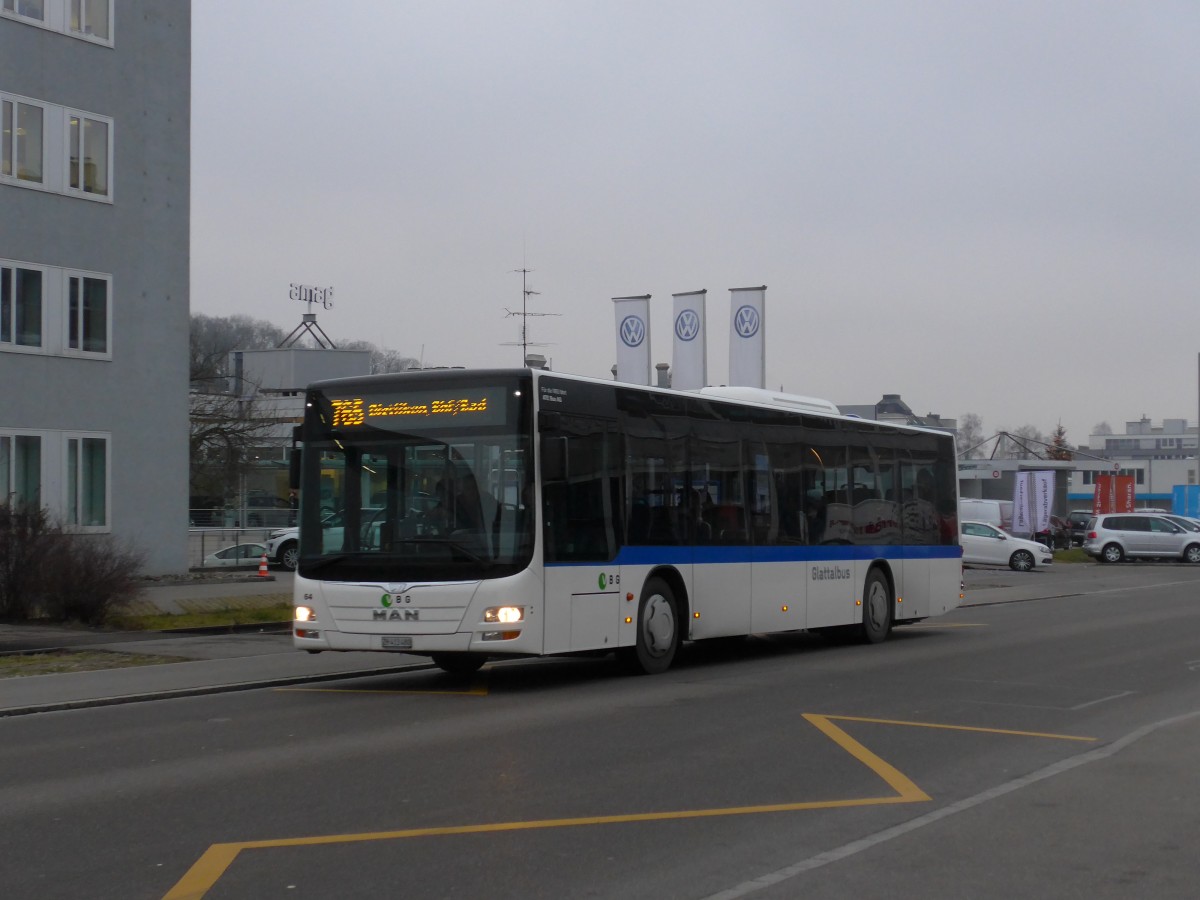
[{"x": 993, "y": 512}]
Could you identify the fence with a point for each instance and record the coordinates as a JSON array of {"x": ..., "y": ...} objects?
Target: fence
[
  {"x": 203, "y": 542},
  {"x": 250, "y": 516}
]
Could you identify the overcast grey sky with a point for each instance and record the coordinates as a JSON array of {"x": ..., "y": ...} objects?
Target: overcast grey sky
[{"x": 988, "y": 207}]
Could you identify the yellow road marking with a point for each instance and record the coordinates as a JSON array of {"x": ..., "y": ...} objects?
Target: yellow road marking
[
  {"x": 215, "y": 861},
  {"x": 896, "y": 780},
  {"x": 1034, "y": 734}
]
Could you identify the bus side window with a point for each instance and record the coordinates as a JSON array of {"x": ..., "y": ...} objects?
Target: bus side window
[{"x": 576, "y": 494}]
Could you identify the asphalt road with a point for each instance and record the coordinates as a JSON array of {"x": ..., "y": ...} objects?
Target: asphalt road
[{"x": 1041, "y": 748}]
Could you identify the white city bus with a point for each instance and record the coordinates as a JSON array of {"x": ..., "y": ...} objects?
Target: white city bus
[{"x": 517, "y": 512}]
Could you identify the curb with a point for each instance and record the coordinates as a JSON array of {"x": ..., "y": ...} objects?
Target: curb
[
  {"x": 968, "y": 604},
  {"x": 247, "y": 628},
  {"x": 272, "y": 628},
  {"x": 205, "y": 690}
]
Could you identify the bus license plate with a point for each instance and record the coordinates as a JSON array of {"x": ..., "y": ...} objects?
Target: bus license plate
[{"x": 397, "y": 642}]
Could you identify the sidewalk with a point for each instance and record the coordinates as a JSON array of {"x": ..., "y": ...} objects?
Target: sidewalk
[{"x": 216, "y": 663}]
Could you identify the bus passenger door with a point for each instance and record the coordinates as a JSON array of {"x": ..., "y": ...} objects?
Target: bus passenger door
[{"x": 579, "y": 496}]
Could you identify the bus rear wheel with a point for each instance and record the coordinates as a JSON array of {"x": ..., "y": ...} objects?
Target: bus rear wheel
[
  {"x": 657, "y": 629},
  {"x": 459, "y": 663},
  {"x": 877, "y": 608}
]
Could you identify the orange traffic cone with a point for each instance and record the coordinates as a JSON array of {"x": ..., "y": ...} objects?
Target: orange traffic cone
[{"x": 262, "y": 567}]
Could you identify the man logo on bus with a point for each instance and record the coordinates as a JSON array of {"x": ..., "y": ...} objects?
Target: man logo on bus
[
  {"x": 633, "y": 331},
  {"x": 687, "y": 325},
  {"x": 746, "y": 321}
]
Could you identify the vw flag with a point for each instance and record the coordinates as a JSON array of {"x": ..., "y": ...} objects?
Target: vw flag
[
  {"x": 747, "y": 359},
  {"x": 689, "y": 359},
  {"x": 1033, "y": 498},
  {"x": 633, "y": 339}
]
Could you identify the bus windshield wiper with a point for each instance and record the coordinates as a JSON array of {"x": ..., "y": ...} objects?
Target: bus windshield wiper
[{"x": 450, "y": 542}]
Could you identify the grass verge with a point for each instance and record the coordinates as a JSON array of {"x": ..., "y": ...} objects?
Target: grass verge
[
  {"x": 1074, "y": 555},
  {"x": 213, "y": 618},
  {"x": 57, "y": 662}
]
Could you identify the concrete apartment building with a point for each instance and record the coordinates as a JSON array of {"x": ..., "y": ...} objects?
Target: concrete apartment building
[{"x": 94, "y": 232}]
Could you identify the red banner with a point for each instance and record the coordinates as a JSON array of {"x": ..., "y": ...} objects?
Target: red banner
[{"x": 1114, "y": 494}]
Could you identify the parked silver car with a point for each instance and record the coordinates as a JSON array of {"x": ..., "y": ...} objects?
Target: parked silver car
[
  {"x": 1116, "y": 536},
  {"x": 1183, "y": 522}
]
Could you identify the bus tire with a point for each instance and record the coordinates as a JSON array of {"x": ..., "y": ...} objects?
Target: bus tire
[
  {"x": 877, "y": 608},
  {"x": 657, "y": 629},
  {"x": 459, "y": 663}
]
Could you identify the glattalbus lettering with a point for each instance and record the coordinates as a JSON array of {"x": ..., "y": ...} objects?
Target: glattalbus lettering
[{"x": 830, "y": 573}]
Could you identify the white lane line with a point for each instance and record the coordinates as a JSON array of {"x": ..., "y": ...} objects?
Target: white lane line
[
  {"x": 847, "y": 850},
  {"x": 1103, "y": 700}
]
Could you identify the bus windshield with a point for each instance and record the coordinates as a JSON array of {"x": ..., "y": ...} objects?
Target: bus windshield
[{"x": 447, "y": 499}]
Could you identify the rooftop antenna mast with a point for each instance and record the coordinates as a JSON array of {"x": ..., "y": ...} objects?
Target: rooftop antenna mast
[{"x": 525, "y": 315}]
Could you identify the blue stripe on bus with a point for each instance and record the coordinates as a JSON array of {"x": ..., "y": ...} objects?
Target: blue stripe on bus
[{"x": 649, "y": 556}]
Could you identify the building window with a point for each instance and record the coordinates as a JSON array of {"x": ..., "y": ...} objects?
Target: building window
[
  {"x": 28, "y": 9},
  {"x": 87, "y": 314},
  {"x": 20, "y": 307},
  {"x": 21, "y": 469},
  {"x": 52, "y": 148},
  {"x": 89, "y": 141},
  {"x": 87, "y": 482},
  {"x": 88, "y": 20},
  {"x": 91, "y": 18},
  {"x": 59, "y": 312},
  {"x": 21, "y": 156}
]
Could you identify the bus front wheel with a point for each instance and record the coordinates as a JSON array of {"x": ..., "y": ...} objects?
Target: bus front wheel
[
  {"x": 657, "y": 629},
  {"x": 877, "y": 608}
]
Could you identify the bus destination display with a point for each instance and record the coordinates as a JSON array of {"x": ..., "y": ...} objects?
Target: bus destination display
[{"x": 419, "y": 409}]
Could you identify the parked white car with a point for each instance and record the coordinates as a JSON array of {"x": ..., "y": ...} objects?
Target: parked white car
[
  {"x": 987, "y": 545},
  {"x": 283, "y": 545}
]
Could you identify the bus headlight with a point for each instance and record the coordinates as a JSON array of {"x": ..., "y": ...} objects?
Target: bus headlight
[
  {"x": 504, "y": 614},
  {"x": 305, "y": 614}
]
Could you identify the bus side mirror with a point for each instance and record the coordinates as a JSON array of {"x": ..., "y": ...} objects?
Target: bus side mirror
[{"x": 294, "y": 469}]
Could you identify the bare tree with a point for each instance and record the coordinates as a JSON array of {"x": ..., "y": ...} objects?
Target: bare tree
[
  {"x": 224, "y": 429},
  {"x": 227, "y": 429},
  {"x": 224, "y": 433},
  {"x": 1025, "y": 442},
  {"x": 382, "y": 359},
  {"x": 214, "y": 338},
  {"x": 1030, "y": 433},
  {"x": 1102, "y": 428},
  {"x": 970, "y": 436}
]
